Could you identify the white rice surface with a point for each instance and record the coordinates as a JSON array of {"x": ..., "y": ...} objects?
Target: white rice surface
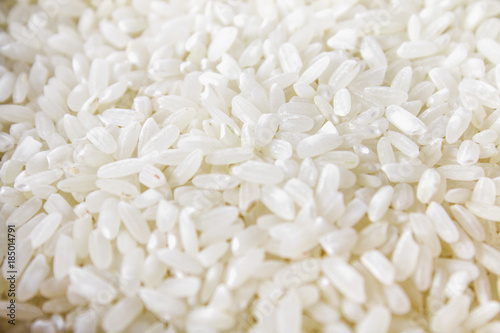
[{"x": 265, "y": 166}]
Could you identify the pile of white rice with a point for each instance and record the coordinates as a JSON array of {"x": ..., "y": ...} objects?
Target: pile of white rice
[{"x": 273, "y": 166}]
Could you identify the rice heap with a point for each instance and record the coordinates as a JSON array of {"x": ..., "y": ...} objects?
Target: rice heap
[{"x": 266, "y": 166}]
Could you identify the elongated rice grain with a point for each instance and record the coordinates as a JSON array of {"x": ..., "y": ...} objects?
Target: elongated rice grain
[{"x": 266, "y": 167}]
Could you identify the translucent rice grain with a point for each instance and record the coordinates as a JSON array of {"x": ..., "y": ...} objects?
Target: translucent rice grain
[
  {"x": 174, "y": 102},
  {"x": 342, "y": 102},
  {"x": 386, "y": 95},
  {"x": 258, "y": 172},
  {"x": 120, "y": 188},
  {"x": 127, "y": 140},
  {"x": 122, "y": 117},
  {"x": 100, "y": 251},
  {"x": 468, "y": 222},
  {"x": 187, "y": 168},
  {"x": 345, "y": 159},
  {"x": 179, "y": 261},
  {"x": 372, "y": 52},
  {"x": 189, "y": 237},
  {"x": 209, "y": 145},
  {"x": 416, "y": 49},
  {"x": 422, "y": 277},
  {"x": 344, "y": 39},
  {"x": 108, "y": 221},
  {"x": 443, "y": 79},
  {"x": 315, "y": 70},
  {"x": 405, "y": 256},
  {"x": 403, "y": 143},
  {"x": 278, "y": 149},
  {"x": 428, "y": 186},
  {"x": 340, "y": 241},
  {"x": 121, "y": 168},
  {"x": 348, "y": 281},
  {"x": 490, "y": 49},
  {"x": 289, "y": 58},
  {"x": 344, "y": 74},
  {"x": 482, "y": 314},
  {"x": 304, "y": 90},
  {"x": 113, "y": 92},
  {"x": 223, "y": 118},
  {"x": 247, "y": 239},
  {"x": 245, "y": 110},
  {"x": 402, "y": 80},
  {"x": 25, "y": 149},
  {"x": 484, "y": 191},
  {"x": 278, "y": 202},
  {"x": 24, "y": 212},
  {"x": 6, "y": 86},
  {"x": 45, "y": 229},
  {"x": 252, "y": 54},
  {"x": 385, "y": 152},
  {"x": 458, "y": 172},
  {"x": 171, "y": 156},
  {"x": 468, "y": 153},
  {"x": 21, "y": 88},
  {"x": 91, "y": 286},
  {"x": 299, "y": 191},
  {"x": 458, "y": 195},
  {"x": 422, "y": 91},
  {"x": 166, "y": 216},
  {"x": 81, "y": 231},
  {"x": 354, "y": 211},
  {"x": 266, "y": 128},
  {"x": 181, "y": 287},
  {"x": 102, "y": 139},
  {"x": 222, "y": 41},
  {"x": 212, "y": 253},
  {"x": 147, "y": 199},
  {"x": 134, "y": 222},
  {"x": 464, "y": 247},
  {"x": 161, "y": 304},
  {"x": 11, "y": 196},
  {"x": 121, "y": 314},
  {"x": 296, "y": 123},
  {"x": 403, "y": 197},
  {"x": 151, "y": 176},
  {"x": 452, "y": 314},
  {"x": 113, "y": 34},
  {"x": 485, "y": 136},
  {"x": 377, "y": 319},
  {"x": 165, "y": 68},
  {"x": 98, "y": 77},
  {"x": 397, "y": 300},
  {"x": 288, "y": 316},
  {"x": 457, "y": 124},
  {"x": 484, "y": 211},
  {"x": 29, "y": 283},
  {"x": 404, "y": 120},
  {"x": 44, "y": 125},
  {"x": 161, "y": 141},
  {"x": 130, "y": 278},
  {"x": 242, "y": 268},
  {"x": 380, "y": 203},
  {"x": 77, "y": 184},
  {"x": 210, "y": 317},
  {"x": 445, "y": 226},
  {"x": 298, "y": 108},
  {"x": 381, "y": 268},
  {"x": 318, "y": 144}
]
